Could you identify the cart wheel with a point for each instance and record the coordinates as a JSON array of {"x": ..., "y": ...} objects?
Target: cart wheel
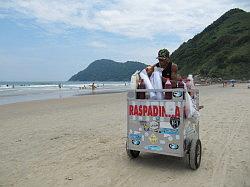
[
  {"x": 132, "y": 153},
  {"x": 195, "y": 154}
]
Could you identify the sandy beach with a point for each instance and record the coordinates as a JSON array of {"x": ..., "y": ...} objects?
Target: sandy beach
[{"x": 80, "y": 141}]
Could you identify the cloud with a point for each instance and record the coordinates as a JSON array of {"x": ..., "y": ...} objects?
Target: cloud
[
  {"x": 136, "y": 19},
  {"x": 97, "y": 44},
  {"x": 149, "y": 18}
]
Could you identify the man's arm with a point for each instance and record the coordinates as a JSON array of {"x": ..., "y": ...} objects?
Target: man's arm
[
  {"x": 150, "y": 69},
  {"x": 174, "y": 72},
  {"x": 174, "y": 75}
]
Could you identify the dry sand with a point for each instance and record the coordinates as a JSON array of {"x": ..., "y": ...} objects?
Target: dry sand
[{"x": 81, "y": 142}]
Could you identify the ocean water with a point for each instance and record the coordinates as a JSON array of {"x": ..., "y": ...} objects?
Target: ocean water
[{"x": 13, "y": 92}]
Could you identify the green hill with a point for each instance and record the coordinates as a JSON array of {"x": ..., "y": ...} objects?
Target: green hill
[
  {"x": 220, "y": 50},
  {"x": 108, "y": 70}
]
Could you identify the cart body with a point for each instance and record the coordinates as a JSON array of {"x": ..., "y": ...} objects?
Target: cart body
[{"x": 160, "y": 126}]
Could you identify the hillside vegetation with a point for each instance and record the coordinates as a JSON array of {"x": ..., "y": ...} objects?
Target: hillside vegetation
[
  {"x": 220, "y": 50},
  {"x": 108, "y": 70}
]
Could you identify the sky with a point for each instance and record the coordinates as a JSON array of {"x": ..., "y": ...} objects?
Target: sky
[{"x": 51, "y": 40}]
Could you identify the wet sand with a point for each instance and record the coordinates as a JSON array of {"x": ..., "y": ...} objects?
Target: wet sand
[{"x": 80, "y": 141}]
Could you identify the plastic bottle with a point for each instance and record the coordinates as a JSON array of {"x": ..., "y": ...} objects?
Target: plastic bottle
[
  {"x": 190, "y": 77},
  {"x": 190, "y": 85},
  {"x": 141, "y": 85},
  {"x": 181, "y": 85},
  {"x": 168, "y": 85}
]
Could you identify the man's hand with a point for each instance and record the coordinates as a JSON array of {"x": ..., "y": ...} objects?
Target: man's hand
[{"x": 149, "y": 70}]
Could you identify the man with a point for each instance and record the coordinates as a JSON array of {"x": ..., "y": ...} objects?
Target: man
[
  {"x": 93, "y": 87},
  {"x": 169, "y": 68}
]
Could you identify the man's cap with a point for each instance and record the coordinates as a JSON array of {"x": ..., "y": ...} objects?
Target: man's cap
[{"x": 163, "y": 54}]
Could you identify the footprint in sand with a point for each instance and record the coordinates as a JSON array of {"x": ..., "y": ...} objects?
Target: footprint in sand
[{"x": 103, "y": 140}]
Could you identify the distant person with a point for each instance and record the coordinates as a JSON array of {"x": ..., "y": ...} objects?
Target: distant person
[
  {"x": 82, "y": 87},
  {"x": 224, "y": 83},
  {"x": 169, "y": 68},
  {"x": 93, "y": 87}
]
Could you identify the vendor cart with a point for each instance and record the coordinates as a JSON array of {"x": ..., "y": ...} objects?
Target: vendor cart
[{"x": 161, "y": 126}]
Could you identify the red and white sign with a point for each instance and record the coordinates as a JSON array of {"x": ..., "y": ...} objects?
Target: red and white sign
[{"x": 153, "y": 110}]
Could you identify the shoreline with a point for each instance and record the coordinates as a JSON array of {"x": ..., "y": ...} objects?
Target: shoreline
[
  {"x": 49, "y": 90},
  {"x": 55, "y": 96},
  {"x": 59, "y": 96}
]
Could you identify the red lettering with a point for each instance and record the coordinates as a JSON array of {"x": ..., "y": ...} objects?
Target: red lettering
[
  {"x": 140, "y": 110},
  {"x": 130, "y": 109},
  {"x": 149, "y": 111},
  {"x": 163, "y": 112},
  {"x": 155, "y": 110},
  {"x": 136, "y": 110},
  {"x": 145, "y": 110}
]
